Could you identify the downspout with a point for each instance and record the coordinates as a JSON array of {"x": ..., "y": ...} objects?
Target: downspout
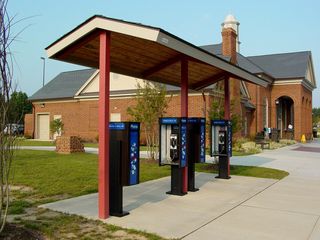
[
  {"x": 34, "y": 120},
  {"x": 204, "y": 105},
  {"x": 257, "y": 109}
]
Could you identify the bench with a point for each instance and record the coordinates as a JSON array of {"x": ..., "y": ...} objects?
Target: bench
[{"x": 259, "y": 140}]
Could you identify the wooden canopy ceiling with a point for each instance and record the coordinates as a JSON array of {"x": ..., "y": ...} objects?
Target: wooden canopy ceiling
[{"x": 145, "y": 52}]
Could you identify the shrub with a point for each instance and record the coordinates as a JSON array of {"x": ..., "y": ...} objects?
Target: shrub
[
  {"x": 287, "y": 141},
  {"x": 246, "y": 146},
  {"x": 251, "y": 147}
]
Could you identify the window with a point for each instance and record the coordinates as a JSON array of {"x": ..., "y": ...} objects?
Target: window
[{"x": 115, "y": 117}]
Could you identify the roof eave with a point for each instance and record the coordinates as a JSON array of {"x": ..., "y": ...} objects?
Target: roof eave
[{"x": 158, "y": 35}]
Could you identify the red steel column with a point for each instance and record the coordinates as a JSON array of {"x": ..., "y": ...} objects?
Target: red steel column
[
  {"x": 104, "y": 88},
  {"x": 184, "y": 111},
  {"x": 227, "y": 115}
]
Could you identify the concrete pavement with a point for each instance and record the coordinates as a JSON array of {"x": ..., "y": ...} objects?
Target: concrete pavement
[
  {"x": 239, "y": 208},
  {"x": 289, "y": 209},
  {"x": 152, "y": 210}
]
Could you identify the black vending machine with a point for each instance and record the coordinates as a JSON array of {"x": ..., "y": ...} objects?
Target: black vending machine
[
  {"x": 196, "y": 148},
  {"x": 124, "y": 162},
  {"x": 173, "y": 150},
  {"x": 221, "y": 145}
]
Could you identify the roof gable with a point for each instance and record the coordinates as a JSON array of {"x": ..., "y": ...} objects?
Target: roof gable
[{"x": 64, "y": 85}]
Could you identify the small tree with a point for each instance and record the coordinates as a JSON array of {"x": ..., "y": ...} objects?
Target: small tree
[
  {"x": 19, "y": 106},
  {"x": 216, "y": 111},
  {"x": 151, "y": 105},
  {"x": 56, "y": 126},
  {"x": 315, "y": 116}
]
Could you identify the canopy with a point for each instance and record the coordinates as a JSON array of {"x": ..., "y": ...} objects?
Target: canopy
[{"x": 145, "y": 52}]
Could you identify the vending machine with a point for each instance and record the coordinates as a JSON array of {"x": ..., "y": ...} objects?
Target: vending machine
[
  {"x": 124, "y": 162},
  {"x": 221, "y": 145},
  {"x": 196, "y": 148},
  {"x": 173, "y": 150}
]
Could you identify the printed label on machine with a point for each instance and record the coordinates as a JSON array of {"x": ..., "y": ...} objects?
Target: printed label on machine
[{"x": 134, "y": 154}]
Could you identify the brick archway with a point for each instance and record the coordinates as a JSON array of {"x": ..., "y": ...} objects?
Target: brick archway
[{"x": 285, "y": 120}]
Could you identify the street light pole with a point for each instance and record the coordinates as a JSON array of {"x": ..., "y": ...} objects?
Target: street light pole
[{"x": 44, "y": 70}]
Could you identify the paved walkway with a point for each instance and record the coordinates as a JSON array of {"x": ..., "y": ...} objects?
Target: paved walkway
[{"x": 239, "y": 208}]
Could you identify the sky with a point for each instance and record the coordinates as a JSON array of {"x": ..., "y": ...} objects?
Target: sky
[{"x": 266, "y": 27}]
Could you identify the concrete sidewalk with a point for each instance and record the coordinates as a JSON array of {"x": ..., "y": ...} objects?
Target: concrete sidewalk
[
  {"x": 152, "y": 210},
  {"x": 289, "y": 209},
  {"x": 239, "y": 208}
]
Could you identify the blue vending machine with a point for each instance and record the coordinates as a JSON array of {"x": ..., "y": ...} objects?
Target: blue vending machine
[
  {"x": 221, "y": 145},
  {"x": 173, "y": 150},
  {"x": 124, "y": 162},
  {"x": 196, "y": 148}
]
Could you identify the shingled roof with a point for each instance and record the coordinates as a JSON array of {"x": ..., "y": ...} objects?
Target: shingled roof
[
  {"x": 243, "y": 62},
  {"x": 65, "y": 85},
  {"x": 284, "y": 65},
  {"x": 277, "y": 66}
]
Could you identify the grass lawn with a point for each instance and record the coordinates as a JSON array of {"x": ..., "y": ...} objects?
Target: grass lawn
[
  {"x": 44, "y": 176},
  {"x": 66, "y": 175},
  {"x": 35, "y": 143},
  {"x": 48, "y": 143},
  {"x": 248, "y": 171},
  {"x": 95, "y": 145}
]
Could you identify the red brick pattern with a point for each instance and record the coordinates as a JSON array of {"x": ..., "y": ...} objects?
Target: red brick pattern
[{"x": 68, "y": 145}]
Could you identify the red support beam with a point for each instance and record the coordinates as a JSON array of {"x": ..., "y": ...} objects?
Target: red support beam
[
  {"x": 104, "y": 90},
  {"x": 227, "y": 114},
  {"x": 208, "y": 81},
  {"x": 184, "y": 110},
  {"x": 161, "y": 66}
]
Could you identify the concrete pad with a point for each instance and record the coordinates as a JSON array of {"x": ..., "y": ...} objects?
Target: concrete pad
[
  {"x": 290, "y": 194},
  {"x": 315, "y": 235},
  {"x": 171, "y": 216},
  {"x": 247, "y": 223}
]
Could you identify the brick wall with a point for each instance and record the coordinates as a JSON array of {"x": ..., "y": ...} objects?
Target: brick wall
[
  {"x": 80, "y": 118},
  {"x": 258, "y": 95},
  {"x": 71, "y": 144},
  {"x": 302, "y": 99},
  {"x": 28, "y": 125}
]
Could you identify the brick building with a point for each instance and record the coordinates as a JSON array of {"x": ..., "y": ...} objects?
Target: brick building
[{"x": 73, "y": 96}]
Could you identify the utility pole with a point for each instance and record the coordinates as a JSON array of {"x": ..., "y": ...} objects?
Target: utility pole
[{"x": 44, "y": 70}]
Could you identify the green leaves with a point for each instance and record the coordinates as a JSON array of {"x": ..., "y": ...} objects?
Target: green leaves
[{"x": 151, "y": 105}]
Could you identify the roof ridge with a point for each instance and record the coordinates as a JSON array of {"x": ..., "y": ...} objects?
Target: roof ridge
[
  {"x": 79, "y": 70},
  {"x": 273, "y": 54},
  {"x": 261, "y": 68}
]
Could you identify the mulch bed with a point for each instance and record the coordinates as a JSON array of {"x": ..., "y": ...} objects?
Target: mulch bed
[{"x": 16, "y": 232}]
